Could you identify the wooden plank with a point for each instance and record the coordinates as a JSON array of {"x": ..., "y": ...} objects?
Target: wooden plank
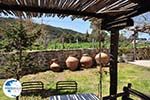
[
  {"x": 93, "y": 8},
  {"x": 51, "y": 4},
  {"x": 139, "y": 10},
  {"x": 119, "y": 5},
  {"x": 118, "y": 11},
  {"x": 48, "y": 3},
  {"x": 129, "y": 6},
  {"x": 35, "y": 3},
  {"x": 50, "y": 10},
  {"x": 78, "y": 5},
  {"x": 8, "y": 1},
  {"x": 100, "y": 5},
  {"x": 140, "y": 1},
  {"x": 84, "y": 5},
  {"x": 29, "y": 2},
  {"x": 113, "y": 4},
  {"x": 73, "y": 2}
]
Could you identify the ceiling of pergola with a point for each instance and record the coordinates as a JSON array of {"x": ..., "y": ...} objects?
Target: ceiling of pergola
[{"x": 84, "y": 8}]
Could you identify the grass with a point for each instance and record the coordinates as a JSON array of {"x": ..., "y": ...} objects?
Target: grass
[{"x": 88, "y": 80}]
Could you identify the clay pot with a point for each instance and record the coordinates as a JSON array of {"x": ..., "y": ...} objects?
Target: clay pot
[
  {"x": 86, "y": 61},
  {"x": 104, "y": 59},
  {"x": 72, "y": 63},
  {"x": 55, "y": 66}
]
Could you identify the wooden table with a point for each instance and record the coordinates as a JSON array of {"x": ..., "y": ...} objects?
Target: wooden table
[{"x": 88, "y": 96}]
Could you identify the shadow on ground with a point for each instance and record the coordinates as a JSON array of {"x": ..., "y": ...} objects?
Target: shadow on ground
[{"x": 45, "y": 93}]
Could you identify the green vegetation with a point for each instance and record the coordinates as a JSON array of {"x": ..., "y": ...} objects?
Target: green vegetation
[
  {"x": 88, "y": 80},
  {"x": 51, "y": 36},
  {"x": 58, "y": 38},
  {"x": 54, "y": 45},
  {"x": 17, "y": 37}
]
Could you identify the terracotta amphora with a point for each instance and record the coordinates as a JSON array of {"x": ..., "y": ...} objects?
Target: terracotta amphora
[
  {"x": 55, "y": 66},
  {"x": 72, "y": 63},
  {"x": 86, "y": 61},
  {"x": 102, "y": 58}
]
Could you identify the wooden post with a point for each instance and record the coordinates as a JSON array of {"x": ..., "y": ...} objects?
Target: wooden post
[{"x": 113, "y": 63}]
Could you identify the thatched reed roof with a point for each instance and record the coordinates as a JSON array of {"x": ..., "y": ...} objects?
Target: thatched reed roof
[{"x": 86, "y": 8}]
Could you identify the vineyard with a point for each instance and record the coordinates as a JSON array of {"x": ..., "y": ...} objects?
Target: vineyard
[{"x": 84, "y": 45}]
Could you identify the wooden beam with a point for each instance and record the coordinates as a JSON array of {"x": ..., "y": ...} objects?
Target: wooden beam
[
  {"x": 118, "y": 11},
  {"x": 117, "y": 24},
  {"x": 144, "y": 2},
  {"x": 50, "y": 10},
  {"x": 113, "y": 63},
  {"x": 140, "y": 9}
]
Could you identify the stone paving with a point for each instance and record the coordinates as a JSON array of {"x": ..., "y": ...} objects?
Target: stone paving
[{"x": 145, "y": 63}]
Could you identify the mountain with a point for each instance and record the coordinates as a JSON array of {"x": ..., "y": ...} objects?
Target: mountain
[{"x": 52, "y": 32}]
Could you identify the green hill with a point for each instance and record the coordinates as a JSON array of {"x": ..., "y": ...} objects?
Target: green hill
[{"x": 51, "y": 31}]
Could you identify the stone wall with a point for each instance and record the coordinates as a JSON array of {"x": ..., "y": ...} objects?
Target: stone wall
[
  {"x": 40, "y": 60},
  {"x": 43, "y": 58},
  {"x": 143, "y": 54}
]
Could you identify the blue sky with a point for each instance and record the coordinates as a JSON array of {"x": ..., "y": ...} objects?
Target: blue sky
[{"x": 77, "y": 24}]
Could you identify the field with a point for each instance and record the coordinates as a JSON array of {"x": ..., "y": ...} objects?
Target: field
[
  {"x": 88, "y": 80},
  {"x": 56, "y": 45}
]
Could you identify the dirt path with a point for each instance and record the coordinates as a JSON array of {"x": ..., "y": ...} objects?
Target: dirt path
[{"x": 145, "y": 63}]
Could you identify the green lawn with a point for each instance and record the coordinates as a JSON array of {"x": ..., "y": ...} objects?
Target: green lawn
[{"x": 88, "y": 80}]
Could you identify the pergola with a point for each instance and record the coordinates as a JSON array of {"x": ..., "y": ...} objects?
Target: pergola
[{"x": 115, "y": 15}]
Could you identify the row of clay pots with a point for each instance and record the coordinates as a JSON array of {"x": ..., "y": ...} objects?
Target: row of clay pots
[{"x": 86, "y": 62}]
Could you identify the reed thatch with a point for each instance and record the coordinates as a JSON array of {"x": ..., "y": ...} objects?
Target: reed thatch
[{"x": 62, "y": 8}]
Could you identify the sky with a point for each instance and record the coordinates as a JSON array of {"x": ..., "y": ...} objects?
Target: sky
[{"x": 67, "y": 23}]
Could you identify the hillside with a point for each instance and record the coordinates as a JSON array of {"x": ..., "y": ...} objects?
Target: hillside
[{"x": 51, "y": 31}]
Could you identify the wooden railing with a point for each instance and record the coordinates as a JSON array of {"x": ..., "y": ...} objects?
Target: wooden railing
[{"x": 127, "y": 91}]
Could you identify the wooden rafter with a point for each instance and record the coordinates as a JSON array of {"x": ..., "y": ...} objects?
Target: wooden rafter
[
  {"x": 48, "y": 10},
  {"x": 90, "y": 8}
]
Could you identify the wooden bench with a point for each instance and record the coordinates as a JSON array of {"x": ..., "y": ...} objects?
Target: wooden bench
[
  {"x": 66, "y": 86},
  {"x": 32, "y": 88}
]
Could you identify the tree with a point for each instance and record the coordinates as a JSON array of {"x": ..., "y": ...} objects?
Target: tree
[
  {"x": 96, "y": 28},
  {"x": 17, "y": 38},
  {"x": 87, "y": 37},
  {"x": 97, "y": 33}
]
